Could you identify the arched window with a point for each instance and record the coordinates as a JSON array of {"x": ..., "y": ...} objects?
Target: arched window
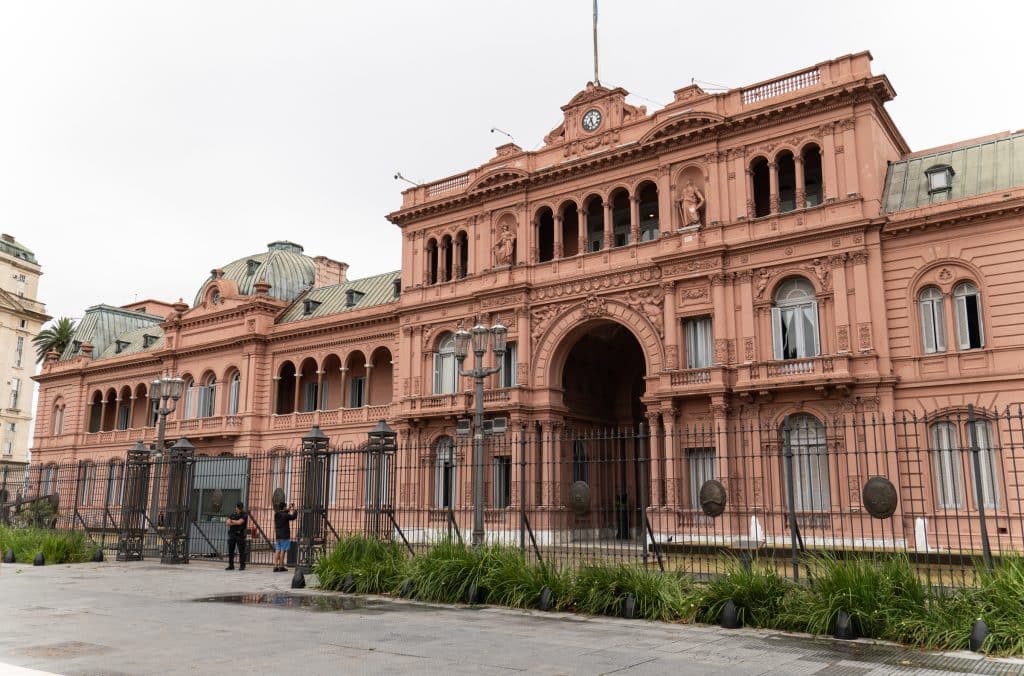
[
  {"x": 811, "y": 156},
  {"x": 811, "y": 487},
  {"x": 949, "y": 481},
  {"x": 448, "y": 249},
  {"x": 570, "y": 229},
  {"x": 619, "y": 201},
  {"x": 58, "y": 418},
  {"x": 933, "y": 321},
  {"x": 86, "y": 482},
  {"x": 431, "y": 261},
  {"x": 761, "y": 186},
  {"x": 234, "y": 392},
  {"x": 795, "y": 320},
  {"x": 124, "y": 404},
  {"x": 206, "y": 396},
  {"x": 462, "y": 239},
  {"x": 594, "y": 209},
  {"x": 96, "y": 412},
  {"x": 967, "y": 305},
  {"x": 647, "y": 196},
  {"x": 444, "y": 473},
  {"x": 989, "y": 475},
  {"x": 445, "y": 366},
  {"x": 545, "y": 236},
  {"x": 786, "y": 167}
]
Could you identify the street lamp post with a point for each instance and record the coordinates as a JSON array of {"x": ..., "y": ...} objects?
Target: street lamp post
[
  {"x": 164, "y": 393},
  {"x": 480, "y": 336}
]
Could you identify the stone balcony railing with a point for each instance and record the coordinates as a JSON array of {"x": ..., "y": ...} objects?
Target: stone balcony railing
[
  {"x": 459, "y": 402},
  {"x": 826, "y": 370},
  {"x": 711, "y": 377},
  {"x": 331, "y": 418}
]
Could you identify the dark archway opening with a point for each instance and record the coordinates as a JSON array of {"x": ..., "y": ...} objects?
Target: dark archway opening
[{"x": 603, "y": 383}]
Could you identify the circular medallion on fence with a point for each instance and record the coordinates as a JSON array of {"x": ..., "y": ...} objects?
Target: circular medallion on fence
[
  {"x": 216, "y": 500},
  {"x": 712, "y": 497},
  {"x": 880, "y": 497},
  {"x": 579, "y": 497},
  {"x": 278, "y": 497}
]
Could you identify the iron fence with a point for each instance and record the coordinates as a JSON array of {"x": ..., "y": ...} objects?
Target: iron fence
[{"x": 943, "y": 489}]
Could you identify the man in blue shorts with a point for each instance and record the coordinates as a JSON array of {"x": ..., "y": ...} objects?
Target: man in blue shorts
[{"x": 283, "y": 518}]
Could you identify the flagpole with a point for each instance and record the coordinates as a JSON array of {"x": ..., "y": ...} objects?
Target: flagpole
[{"x": 597, "y": 80}]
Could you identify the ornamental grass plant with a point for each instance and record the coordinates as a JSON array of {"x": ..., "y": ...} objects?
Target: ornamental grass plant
[
  {"x": 376, "y": 567},
  {"x": 757, "y": 591},
  {"x": 57, "y": 546},
  {"x": 601, "y": 589}
]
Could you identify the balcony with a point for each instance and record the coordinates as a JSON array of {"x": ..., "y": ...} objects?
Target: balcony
[
  {"x": 823, "y": 373},
  {"x": 696, "y": 380},
  {"x": 332, "y": 418},
  {"x": 460, "y": 402}
]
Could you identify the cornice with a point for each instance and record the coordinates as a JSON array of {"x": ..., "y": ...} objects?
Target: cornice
[
  {"x": 876, "y": 89},
  {"x": 984, "y": 212}
]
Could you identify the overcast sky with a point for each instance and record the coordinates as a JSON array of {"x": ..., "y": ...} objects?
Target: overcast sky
[{"x": 144, "y": 143}]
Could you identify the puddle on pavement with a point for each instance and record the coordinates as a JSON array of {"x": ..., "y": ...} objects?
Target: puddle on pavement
[{"x": 301, "y": 601}]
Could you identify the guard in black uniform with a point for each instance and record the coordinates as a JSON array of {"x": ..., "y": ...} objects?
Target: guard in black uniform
[{"x": 238, "y": 524}]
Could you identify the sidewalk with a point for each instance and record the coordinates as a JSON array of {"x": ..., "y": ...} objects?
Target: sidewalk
[{"x": 144, "y": 618}]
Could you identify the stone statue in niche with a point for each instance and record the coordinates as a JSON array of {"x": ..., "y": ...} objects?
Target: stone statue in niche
[
  {"x": 505, "y": 247},
  {"x": 690, "y": 204}
]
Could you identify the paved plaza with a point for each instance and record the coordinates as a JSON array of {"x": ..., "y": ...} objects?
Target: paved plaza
[{"x": 145, "y": 618}]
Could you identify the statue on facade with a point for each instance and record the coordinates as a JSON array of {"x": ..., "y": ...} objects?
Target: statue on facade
[
  {"x": 504, "y": 248},
  {"x": 690, "y": 204}
]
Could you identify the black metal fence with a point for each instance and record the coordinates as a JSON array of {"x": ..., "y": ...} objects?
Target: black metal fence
[{"x": 943, "y": 489}]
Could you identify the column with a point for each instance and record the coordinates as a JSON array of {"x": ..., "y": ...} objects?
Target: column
[
  {"x": 837, "y": 265},
  {"x": 547, "y": 465},
  {"x": 773, "y": 187},
  {"x": 558, "y": 235},
  {"x": 864, "y": 341},
  {"x": 443, "y": 273},
  {"x": 828, "y": 163},
  {"x": 749, "y": 206},
  {"x": 581, "y": 220},
  {"x": 654, "y": 491},
  {"x": 665, "y": 201},
  {"x": 275, "y": 395},
  {"x": 131, "y": 410},
  {"x": 345, "y": 403},
  {"x": 671, "y": 325},
  {"x": 298, "y": 382},
  {"x": 103, "y": 414},
  {"x": 523, "y": 348},
  {"x": 747, "y": 315},
  {"x": 457, "y": 258},
  {"x": 634, "y": 219},
  {"x": 719, "y": 320},
  {"x": 670, "y": 451},
  {"x": 366, "y": 386},
  {"x": 850, "y": 153},
  {"x": 319, "y": 390},
  {"x": 609, "y": 232},
  {"x": 801, "y": 195}
]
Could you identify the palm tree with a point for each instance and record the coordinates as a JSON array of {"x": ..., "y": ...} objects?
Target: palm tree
[{"x": 55, "y": 337}]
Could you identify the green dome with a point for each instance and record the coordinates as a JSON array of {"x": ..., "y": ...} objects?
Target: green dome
[{"x": 283, "y": 265}]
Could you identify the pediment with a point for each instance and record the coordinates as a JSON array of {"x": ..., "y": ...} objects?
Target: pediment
[
  {"x": 496, "y": 177},
  {"x": 681, "y": 123},
  {"x": 592, "y": 93},
  {"x": 9, "y": 302}
]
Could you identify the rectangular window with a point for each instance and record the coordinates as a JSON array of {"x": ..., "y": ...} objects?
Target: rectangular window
[
  {"x": 18, "y": 350},
  {"x": 795, "y": 331},
  {"x": 699, "y": 348},
  {"x": 502, "y": 481},
  {"x": 357, "y": 392},
  {"x": 309, "y": 396},
  {"x": 15, "y": 391},
  {"x": 445, "y": 373},
  {"x": 122, "y": 417},
  {"x": 987, "y": 482},
  {"x": 88, "y": 478},
  {"x": 8, "y": 448},
  {"x": 11, "y": 427},
  {"x": 379, "y": 469},
  {"x": 323, "y": 395},
  {"x": 234, "y": 394},
  {"x": 968, "y": 322},
  {"x": 444, "y": 477},
  {"x": 332, "y": 480},
  {"x": 113, "y": 483},
  {"x": 507, "y": 375},
  {"x": 933, "y": 325},
  {"x": 949, "y": 483},
  {"x": 580, "y": 469},
  {"x": 700, "y": 465},
  {"x": 188, "y": 410}
]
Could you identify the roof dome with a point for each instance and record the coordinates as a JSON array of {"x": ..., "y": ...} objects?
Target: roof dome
[{"x": 283, "y": 265}]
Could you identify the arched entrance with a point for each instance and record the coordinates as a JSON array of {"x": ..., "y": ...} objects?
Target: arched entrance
[
  {"x": 603, "y": 378},
  {"x": 602, "y": 387}
]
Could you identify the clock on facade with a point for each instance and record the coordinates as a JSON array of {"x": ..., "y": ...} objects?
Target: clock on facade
[{"x": 591, "y": 119}]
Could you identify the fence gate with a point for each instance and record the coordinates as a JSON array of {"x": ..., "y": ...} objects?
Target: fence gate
[
  {"x": 133, "y": 505},
  {"x": 218, "y": 484}
]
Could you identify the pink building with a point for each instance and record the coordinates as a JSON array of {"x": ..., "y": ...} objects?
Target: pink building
[{"x": 735, "y": 258}]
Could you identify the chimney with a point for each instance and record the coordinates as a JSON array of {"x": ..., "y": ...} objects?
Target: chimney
[
  {"x": 86, "y": 350},
  {"x": 329, "y": 272}
]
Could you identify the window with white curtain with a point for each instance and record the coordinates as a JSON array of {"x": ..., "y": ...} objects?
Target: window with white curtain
[
  {"x": 812, "y": 490},
  {"x": 383, "y": 476},
  {"x": 933, "y": 321},
  {"x": 967, "y": 305},
  {"x": 795, "y": 321},
  {"x": 444, "y": 473},
  {"x": 987, "y": 482},
  {"x": 699, "y": 348},
  {"x": 206, "y": 396},
  {"x": 234, "y": 393},
  {"x": 445, "y": 366},
  {"x": 188, "y": 409},
  {"x": 949, "y": 481},
  {"x": 309, "y": 396},
  {"x": 700, "y": 466}
]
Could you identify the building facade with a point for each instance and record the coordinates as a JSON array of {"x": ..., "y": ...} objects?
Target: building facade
[
  {"x": 21, "y": 318},
  {"x": 770, "y": 251}
]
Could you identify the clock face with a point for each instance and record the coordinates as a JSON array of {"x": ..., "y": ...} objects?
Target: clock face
[{"x": 591, "y": 119}]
